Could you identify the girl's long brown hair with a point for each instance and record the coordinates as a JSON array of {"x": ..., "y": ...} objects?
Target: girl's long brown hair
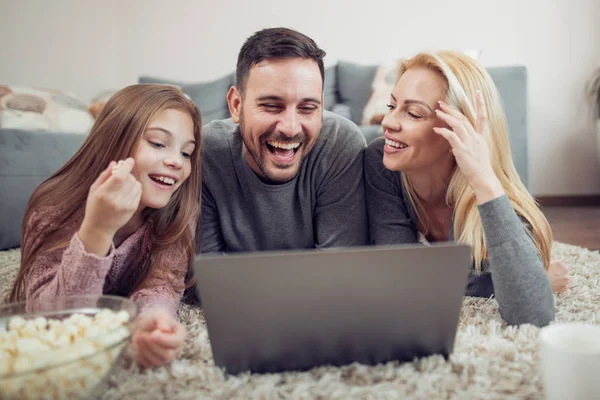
[{"x": 58, "y": 204}]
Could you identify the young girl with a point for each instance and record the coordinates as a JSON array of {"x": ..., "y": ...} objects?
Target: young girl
[
  {"x": 119, "y": 217},
  {"x": 444, "y": 171}
]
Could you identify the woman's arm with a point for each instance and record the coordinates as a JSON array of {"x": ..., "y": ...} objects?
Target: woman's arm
[
  {"x": 389, "y": 220},
  {"x": 521, "y": 284}
]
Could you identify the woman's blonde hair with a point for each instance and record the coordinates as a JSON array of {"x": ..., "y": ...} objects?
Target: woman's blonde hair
[{"x": 464, "y": 77}]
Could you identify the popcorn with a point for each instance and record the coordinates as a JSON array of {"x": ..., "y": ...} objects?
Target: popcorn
[{"x": 59, "y": 359}]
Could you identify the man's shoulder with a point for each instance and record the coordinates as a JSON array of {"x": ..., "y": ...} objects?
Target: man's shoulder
[
  {"x": 375, "y": 170},
  {"x": 217, "y": 133},
  {"x": 218, "y": 140},
  {"x": 341, "y": 129},
  {"x": 374, "y": 151},
  {"x": 339, "y": 136}
]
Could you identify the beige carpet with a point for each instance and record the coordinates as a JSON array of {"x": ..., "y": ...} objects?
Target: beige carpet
[{"x": 490, "y": 360}]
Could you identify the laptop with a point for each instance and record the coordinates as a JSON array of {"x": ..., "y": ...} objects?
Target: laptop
[{"x": 296, "y": 309}]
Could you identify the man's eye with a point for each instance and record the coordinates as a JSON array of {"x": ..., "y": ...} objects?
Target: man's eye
[
  {"x": 308, "y": 109},
  {"x": 157, "y": 145},
  {"x": 271, "y": 106}
]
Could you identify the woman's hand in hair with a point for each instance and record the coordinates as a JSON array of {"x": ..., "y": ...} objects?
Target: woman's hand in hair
[
  {"x": 157, "y": 338},
  {"x": 470, "y": 149},
  {"x": 112, "y": 200}
]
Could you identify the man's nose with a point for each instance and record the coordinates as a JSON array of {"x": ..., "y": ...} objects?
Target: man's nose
[{"x": 289, "y": 125}]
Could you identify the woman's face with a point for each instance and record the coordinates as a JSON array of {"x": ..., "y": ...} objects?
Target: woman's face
[{"x": 410, "y": 142}]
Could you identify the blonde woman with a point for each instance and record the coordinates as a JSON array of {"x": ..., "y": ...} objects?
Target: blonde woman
[{"x": 444, "y": 172}]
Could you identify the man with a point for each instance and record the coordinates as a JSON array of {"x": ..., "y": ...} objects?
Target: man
[{"x": 282, "y": 173}]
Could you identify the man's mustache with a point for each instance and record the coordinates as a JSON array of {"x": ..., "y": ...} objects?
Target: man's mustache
[{"x": 280, "y": 137}]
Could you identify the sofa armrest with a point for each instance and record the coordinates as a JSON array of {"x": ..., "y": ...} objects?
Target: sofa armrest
[{"x": 27, "y": 159}]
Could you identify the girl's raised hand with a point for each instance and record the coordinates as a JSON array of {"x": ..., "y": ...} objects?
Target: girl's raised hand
[{"x": 112, "y": 200}]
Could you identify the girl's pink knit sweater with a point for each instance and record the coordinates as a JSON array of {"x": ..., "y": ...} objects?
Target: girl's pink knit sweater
[{"x": 73, "y": 271}]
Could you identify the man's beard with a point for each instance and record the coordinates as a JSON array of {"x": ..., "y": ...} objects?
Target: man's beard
[{"x": 257, "y": 154}]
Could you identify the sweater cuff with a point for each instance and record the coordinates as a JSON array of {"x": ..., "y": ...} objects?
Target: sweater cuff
[
  {"x": 170, "y": 305},
  {"x": 500, "y": 221},
  {"x": 97, "y": 267}
]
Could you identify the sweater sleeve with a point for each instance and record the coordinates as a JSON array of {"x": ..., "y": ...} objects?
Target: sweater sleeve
[
  {"x": 70, "y": 271},
  {"x": 340, "y": 214},
  {"x": 389, "y": 220},
  {"x": 521, "y": 285},
  {"x": 166, "y": 284}
]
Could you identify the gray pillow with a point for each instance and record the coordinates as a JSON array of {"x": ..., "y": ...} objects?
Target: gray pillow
[
  {"x": 210, "y": 97},
  {"x": 27, "y": 159},
  {"x": 512, "y": 86},
  {"x": 354, "y": 86},
  {"x": 329, "y": 89}
]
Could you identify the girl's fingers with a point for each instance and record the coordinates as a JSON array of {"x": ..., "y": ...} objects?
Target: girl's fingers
[
  {"x": 149, "y": 360},
  {"x": 130, "y": 189},
  {"x": 162, "y": 354},
  {"x": 171, "y": 341},
  {"x": 123, "y": 168},
  {"x": 103, "y": 177},
  {"x": 148, "y": 354},
  {"x": 135, "y": 195},
  {"x": 120, "y": 174}
]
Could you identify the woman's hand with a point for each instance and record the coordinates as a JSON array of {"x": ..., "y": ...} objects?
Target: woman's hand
[
  {"x": 558, "y": 272},
  {"x": 112, "y": 200},
  {"x": 157, "y": 338},
  {"x": 470, "y": 149}
]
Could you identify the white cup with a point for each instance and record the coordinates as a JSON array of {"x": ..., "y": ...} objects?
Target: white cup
[{"x": 570, "y": 361}]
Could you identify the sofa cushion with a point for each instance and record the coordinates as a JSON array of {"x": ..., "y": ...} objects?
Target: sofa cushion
[
  {"x": 43, "y": 110},
  {"x": 354, "y": 86},
  {"x": 27, "y": 159},
  {"x": 381, "y": 88},
  {"x": 330, "y": 89},
  {"x": 371, "y": 132},
  {"x": 512, "y": 86},
  {"x": 210, "y": 97}
]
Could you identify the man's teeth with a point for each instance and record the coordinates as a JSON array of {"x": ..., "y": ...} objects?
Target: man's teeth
[
  {"x": 397, "y": 145},
  {"x": 283, "y": 145},
  {"x": 168, "y": 181}
]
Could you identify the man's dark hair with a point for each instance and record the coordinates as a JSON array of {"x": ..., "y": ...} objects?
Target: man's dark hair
[{"x": 273, "y": 43}]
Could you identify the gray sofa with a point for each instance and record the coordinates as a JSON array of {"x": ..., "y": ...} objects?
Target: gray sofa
[{"x": 28, "y": 158}]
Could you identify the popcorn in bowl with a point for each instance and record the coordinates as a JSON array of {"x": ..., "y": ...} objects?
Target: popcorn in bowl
[{"x": 62, "y": 349}]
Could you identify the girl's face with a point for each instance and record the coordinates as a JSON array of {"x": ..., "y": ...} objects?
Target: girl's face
[
  {"x": 410, "y": 142},
  {"x": 163, "y": 157}
]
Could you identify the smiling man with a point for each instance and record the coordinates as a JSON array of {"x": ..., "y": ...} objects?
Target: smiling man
[{"x": 282, "y": 173}]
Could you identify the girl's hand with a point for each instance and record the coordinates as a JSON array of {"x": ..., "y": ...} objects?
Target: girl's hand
[
  {"x": 470, "y": 149},
  {"x": 112, "y": 200},
  {"x": 157, "y": 338}
]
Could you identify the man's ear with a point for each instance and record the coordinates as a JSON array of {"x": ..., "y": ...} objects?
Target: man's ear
[{"x": 234, "y": 101}]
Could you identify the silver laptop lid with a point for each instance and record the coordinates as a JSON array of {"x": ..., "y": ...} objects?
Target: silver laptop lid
[{"x": 293, "y": 310}]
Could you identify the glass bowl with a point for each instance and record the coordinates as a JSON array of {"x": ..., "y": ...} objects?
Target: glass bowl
[{"x": 82, "y": 357}]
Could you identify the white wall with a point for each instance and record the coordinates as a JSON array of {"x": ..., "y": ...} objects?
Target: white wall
[{"x": 87, "y": 47}]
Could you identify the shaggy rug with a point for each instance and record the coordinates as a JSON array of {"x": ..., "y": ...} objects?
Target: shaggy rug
[{"x": 490, "y": 361}]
